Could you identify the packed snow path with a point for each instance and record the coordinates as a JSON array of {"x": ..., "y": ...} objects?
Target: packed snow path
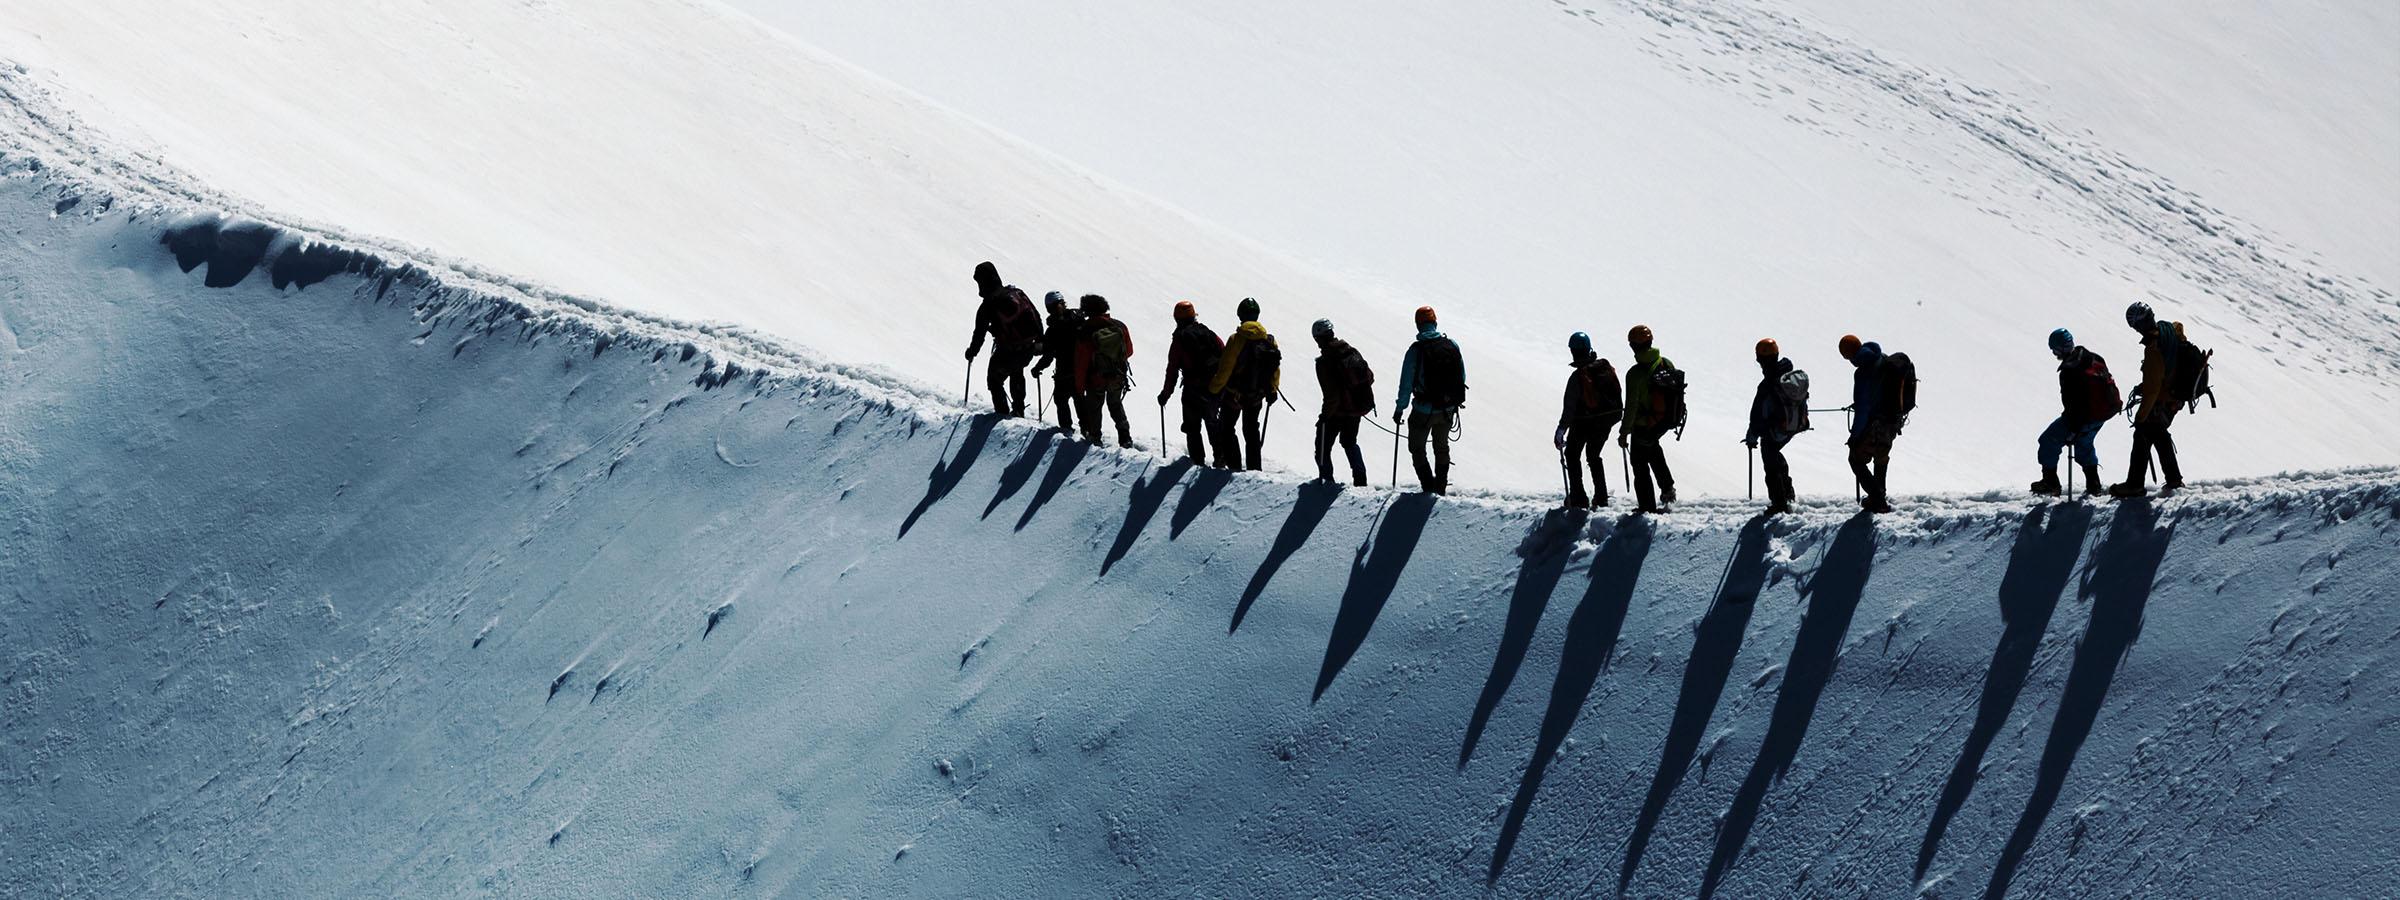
[{"x": 356, "y": 576}]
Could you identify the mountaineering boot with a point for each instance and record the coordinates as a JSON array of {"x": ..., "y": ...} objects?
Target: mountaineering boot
[
  {"x": 1780, "y": 507},
  {"x": 2128, "y": 490},
  {"x": 1577, "y": 500},
  {"x": 1875, "y": 504},
  {"x": 2049, "y": 486},
  {"x": 2091, "y": 482}
]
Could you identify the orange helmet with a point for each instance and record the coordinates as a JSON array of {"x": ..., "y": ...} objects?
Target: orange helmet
[
  {"x": 1425, "y": 315},
  {"x": 1639, "y": 336},
  {"x": 1767, "y": 349},
  {"x": 1849, "y": 345},
  {"x": 1184, "y": 311}
]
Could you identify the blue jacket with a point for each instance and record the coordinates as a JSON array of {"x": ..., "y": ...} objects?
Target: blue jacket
[
  {"x": 1408, "y": 371},
  {"x": 1866, "y": 386}
]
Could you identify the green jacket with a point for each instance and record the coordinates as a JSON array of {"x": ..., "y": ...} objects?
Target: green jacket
[{"x": 1638, "y": 413}]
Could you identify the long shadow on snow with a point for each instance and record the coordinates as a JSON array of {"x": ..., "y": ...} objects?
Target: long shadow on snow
[
  {"x": 1062, "y": 466},
  {"x": 1715, "y": 643},
  {"x": 1591, "y": 640},
  {"x": 2039, "y": 566},
  {"x": 1833, "y": 594},
  {"x": 2118, "y": 580},
  {"x": 1545, "y": 549},
  {"x": 948, "y": 472},
  {"x": 1147, "y": 496},
  {"x": 1316, "y": 498},
  {"x": 1374, "y": 572},
  {"x": 1196, "y": 500},
  {"x": 1013, "y": 478}
]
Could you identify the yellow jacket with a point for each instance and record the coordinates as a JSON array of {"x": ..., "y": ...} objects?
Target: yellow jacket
[{"x": 1250, "y": 331}]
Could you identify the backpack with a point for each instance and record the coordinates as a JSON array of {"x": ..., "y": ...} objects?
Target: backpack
[
  {"x": 1666, "y": 397},
  {"x": 2191, "y": 374},
  {"x": 1361, "y": 382},
  {"x": 1255, "y": 367},
  {"x": 1899, "y": 385},
  {"x": 1441, "y": 374},
  {"x": 2101, "y": 397},
  {"x": 1199, "y": 349},
  {"x": 1603, "y": 397},
  {"x": 1793, "y": 388},
  {"x": 1108, "y": 352},
  {"x": 1018, "y": 326}
]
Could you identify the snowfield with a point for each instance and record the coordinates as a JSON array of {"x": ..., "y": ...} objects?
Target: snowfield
[
  {"x": 1721, "y": 171},
  {"x": 335, "y": 569}
]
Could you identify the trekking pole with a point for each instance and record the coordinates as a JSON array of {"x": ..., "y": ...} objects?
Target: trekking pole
[
  {"x": 966, "y": 391},
  {"x": 1395, "y": 458},
  {"x": 1162, "y": 428},
  {"x": 1564, "y": 484},
  {"x": 1749, "y": 473},
  {"x": 1039, "y": 396}
]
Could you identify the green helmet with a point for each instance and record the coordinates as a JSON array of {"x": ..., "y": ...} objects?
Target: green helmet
[{"x": 1248, "y": 311}]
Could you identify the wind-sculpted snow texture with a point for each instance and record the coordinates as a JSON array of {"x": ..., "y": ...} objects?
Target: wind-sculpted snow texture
[{"x": 361, "y": 575}]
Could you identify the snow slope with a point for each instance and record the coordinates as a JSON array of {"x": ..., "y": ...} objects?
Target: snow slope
[
  {"x": 1955, "y": 179},
  {"x": 369, "y": 575},
  {"x": 1717, "y": 170}
]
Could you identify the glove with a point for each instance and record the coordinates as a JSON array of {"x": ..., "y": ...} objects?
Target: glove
[
  {"x": 1039, "y": 366},
  {"x": 971, "y": 352},
  {"x": 1558, "y": 439},
  {"x": 1396, "y": 418},
  {"x": 1623, "y": 439},
  {"x": 1162, "y": 397},
  {"x": 1750, "y": 442}
]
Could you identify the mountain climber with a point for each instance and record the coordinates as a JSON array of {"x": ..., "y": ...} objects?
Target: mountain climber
[
  {"x": 1249, "y": 376},
  {"x": 1882, "y": 392},
  {"x": 1591, "y": 407},
  {"x": 2165, "y": 356},
  {"x": 1653, "y": 407},
  {"x": 1778, "y": 413},
  {"x": 1058, "y": 348},
  {"x": 1016, "y": 331},
  {"x": 2087, "y": 399},
  {"x": 1192, "y": 359},
  {"x": 1348, "y": 386},
  {"x": 1102, "y": 355},
  {"x": 1433, "y": 385}
]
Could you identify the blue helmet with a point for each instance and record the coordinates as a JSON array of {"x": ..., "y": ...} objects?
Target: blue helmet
[
  {"x": 1579, "y": 342},
  {"x": 2062, "y": 341}
]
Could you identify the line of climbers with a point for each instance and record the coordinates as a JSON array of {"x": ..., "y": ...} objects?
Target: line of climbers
[{"x": 1230, "y": 386}]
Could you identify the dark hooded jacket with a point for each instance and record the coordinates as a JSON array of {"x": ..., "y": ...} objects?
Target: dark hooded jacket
[{"x": 1766, "y": 409}]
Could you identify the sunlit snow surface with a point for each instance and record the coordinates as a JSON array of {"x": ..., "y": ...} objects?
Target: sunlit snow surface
[{"x": 1720, "y": 171}]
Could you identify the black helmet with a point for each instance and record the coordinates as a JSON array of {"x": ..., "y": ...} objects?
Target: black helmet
[
  {"x": 2139, "y": 315},
  {"x": 1094, "y": 303},
  {"x": 1248, "y": 311}
]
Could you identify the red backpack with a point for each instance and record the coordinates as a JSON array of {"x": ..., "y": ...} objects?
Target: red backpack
[
  {"x": 1018, "y": 326},
  {"x": 2100, "y": 393}
]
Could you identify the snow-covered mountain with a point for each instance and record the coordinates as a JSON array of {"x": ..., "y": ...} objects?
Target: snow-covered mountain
[
  {"x": 331, "y": 569},
  {"x": 1721, "y": 171}
]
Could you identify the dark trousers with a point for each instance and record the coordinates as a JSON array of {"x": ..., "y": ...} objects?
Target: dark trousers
[
  {"x": 1779, "y": 470},
  {"x": 1199, "y": 427},
  {"x": 1871, "y": 458},
  {"x": 1343, "y": 429},
  {"x": 1063, "y": 396},
  {"x": 1585, "y": 440},
  {"x": 2151, "y": 434},
  {"x": 1005, "y": 376},
  {"x": 1250, "y": 452},
  {"x": 1649, "y": 460},
  {"x": 1090, "y": 403},
  {"x": 1221, "y": 416},
  {"x": 1434, "y": 479}
]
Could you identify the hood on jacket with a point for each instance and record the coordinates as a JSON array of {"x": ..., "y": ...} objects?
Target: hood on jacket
[
  {"x": 1869, "y": 354},
  {"x": 1646, "y": 356},
  {"x": 1429, "y": 330},
  {"x": 987, "y": 278},
  {"x": 1776, "y": 368},
  {"x": 1252, "y": 330}
]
